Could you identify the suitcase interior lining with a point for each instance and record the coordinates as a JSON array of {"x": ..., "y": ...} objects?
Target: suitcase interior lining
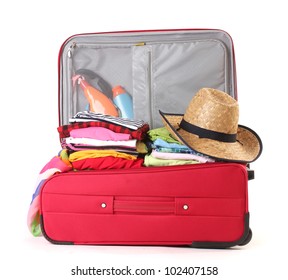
[{"x": 160, "y": 73}]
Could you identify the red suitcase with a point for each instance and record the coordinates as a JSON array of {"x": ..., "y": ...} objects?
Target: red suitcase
[{"x": 202, "y": 205}]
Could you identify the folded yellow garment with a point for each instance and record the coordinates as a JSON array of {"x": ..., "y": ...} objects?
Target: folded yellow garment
[
  {"x": 99, "y": 153},
  {"x": 141, "y": 147}
]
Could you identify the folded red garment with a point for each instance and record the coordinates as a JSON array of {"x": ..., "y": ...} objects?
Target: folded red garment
[
  {"x": 139, "y": 134},
  {"x": 106, "y": 163}
]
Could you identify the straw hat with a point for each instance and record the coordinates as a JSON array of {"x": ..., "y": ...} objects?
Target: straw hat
[{"x": 210, "y": 126}]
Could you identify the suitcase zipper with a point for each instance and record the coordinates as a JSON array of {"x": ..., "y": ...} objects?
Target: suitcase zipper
[
  {"x": 95, "y": 46},
  {"x": 123, "y": 44},
  {"x": 70, "y": 49},
  {"x": 149, "y": 83}
]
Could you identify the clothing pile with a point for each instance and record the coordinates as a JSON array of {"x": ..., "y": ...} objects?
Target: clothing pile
[
  {"x": 57, "y": 164},
  {"x": 97, "y": 141},
  {"x": 168, "y": 151}
]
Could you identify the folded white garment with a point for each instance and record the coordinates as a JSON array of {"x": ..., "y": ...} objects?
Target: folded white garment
[
  {"x": 180, "y": 156},
  {"x": 97, "y": 143}
]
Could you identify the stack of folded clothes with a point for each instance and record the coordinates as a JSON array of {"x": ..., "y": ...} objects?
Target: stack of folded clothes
[
  {"x": 97, "y": 141},
  {"x": 168, "y": 151}
]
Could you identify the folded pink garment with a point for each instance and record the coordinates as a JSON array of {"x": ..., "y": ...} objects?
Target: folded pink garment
[
  {"x": 99, "y": 133},
  {"x": 180, "y": 156}
]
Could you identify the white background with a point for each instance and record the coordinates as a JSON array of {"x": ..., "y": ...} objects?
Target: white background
[{"x": 31, "y": 35}]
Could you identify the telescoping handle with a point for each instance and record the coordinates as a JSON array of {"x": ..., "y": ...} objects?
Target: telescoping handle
[{"x": 251, "y": 173}]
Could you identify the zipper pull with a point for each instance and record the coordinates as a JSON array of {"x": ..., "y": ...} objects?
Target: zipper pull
[
  {"x": 72, "y": 46},
  {"x": 141, "y": 44}
]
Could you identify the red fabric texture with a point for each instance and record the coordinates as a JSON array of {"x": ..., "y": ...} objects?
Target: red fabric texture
[
  {"x": 139, "y": 134},
  {"x": 106, "y": 163}
]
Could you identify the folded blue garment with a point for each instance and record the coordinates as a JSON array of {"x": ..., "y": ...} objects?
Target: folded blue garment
[{"x": 161, "y": 143}]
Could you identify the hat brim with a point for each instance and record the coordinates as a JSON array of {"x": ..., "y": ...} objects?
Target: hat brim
[{"x": 247, "y": 148}]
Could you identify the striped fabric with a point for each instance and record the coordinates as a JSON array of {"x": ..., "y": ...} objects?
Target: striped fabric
[{"x": 90, "y": 116}]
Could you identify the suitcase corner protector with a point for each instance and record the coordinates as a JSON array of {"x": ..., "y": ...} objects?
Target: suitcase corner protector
[
  {"x": 56, "y": 242},
  {"x": 243, "y": 240}
]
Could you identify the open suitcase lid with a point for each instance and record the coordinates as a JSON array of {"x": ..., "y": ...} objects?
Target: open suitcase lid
[{"x": 159, "y": 70}]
